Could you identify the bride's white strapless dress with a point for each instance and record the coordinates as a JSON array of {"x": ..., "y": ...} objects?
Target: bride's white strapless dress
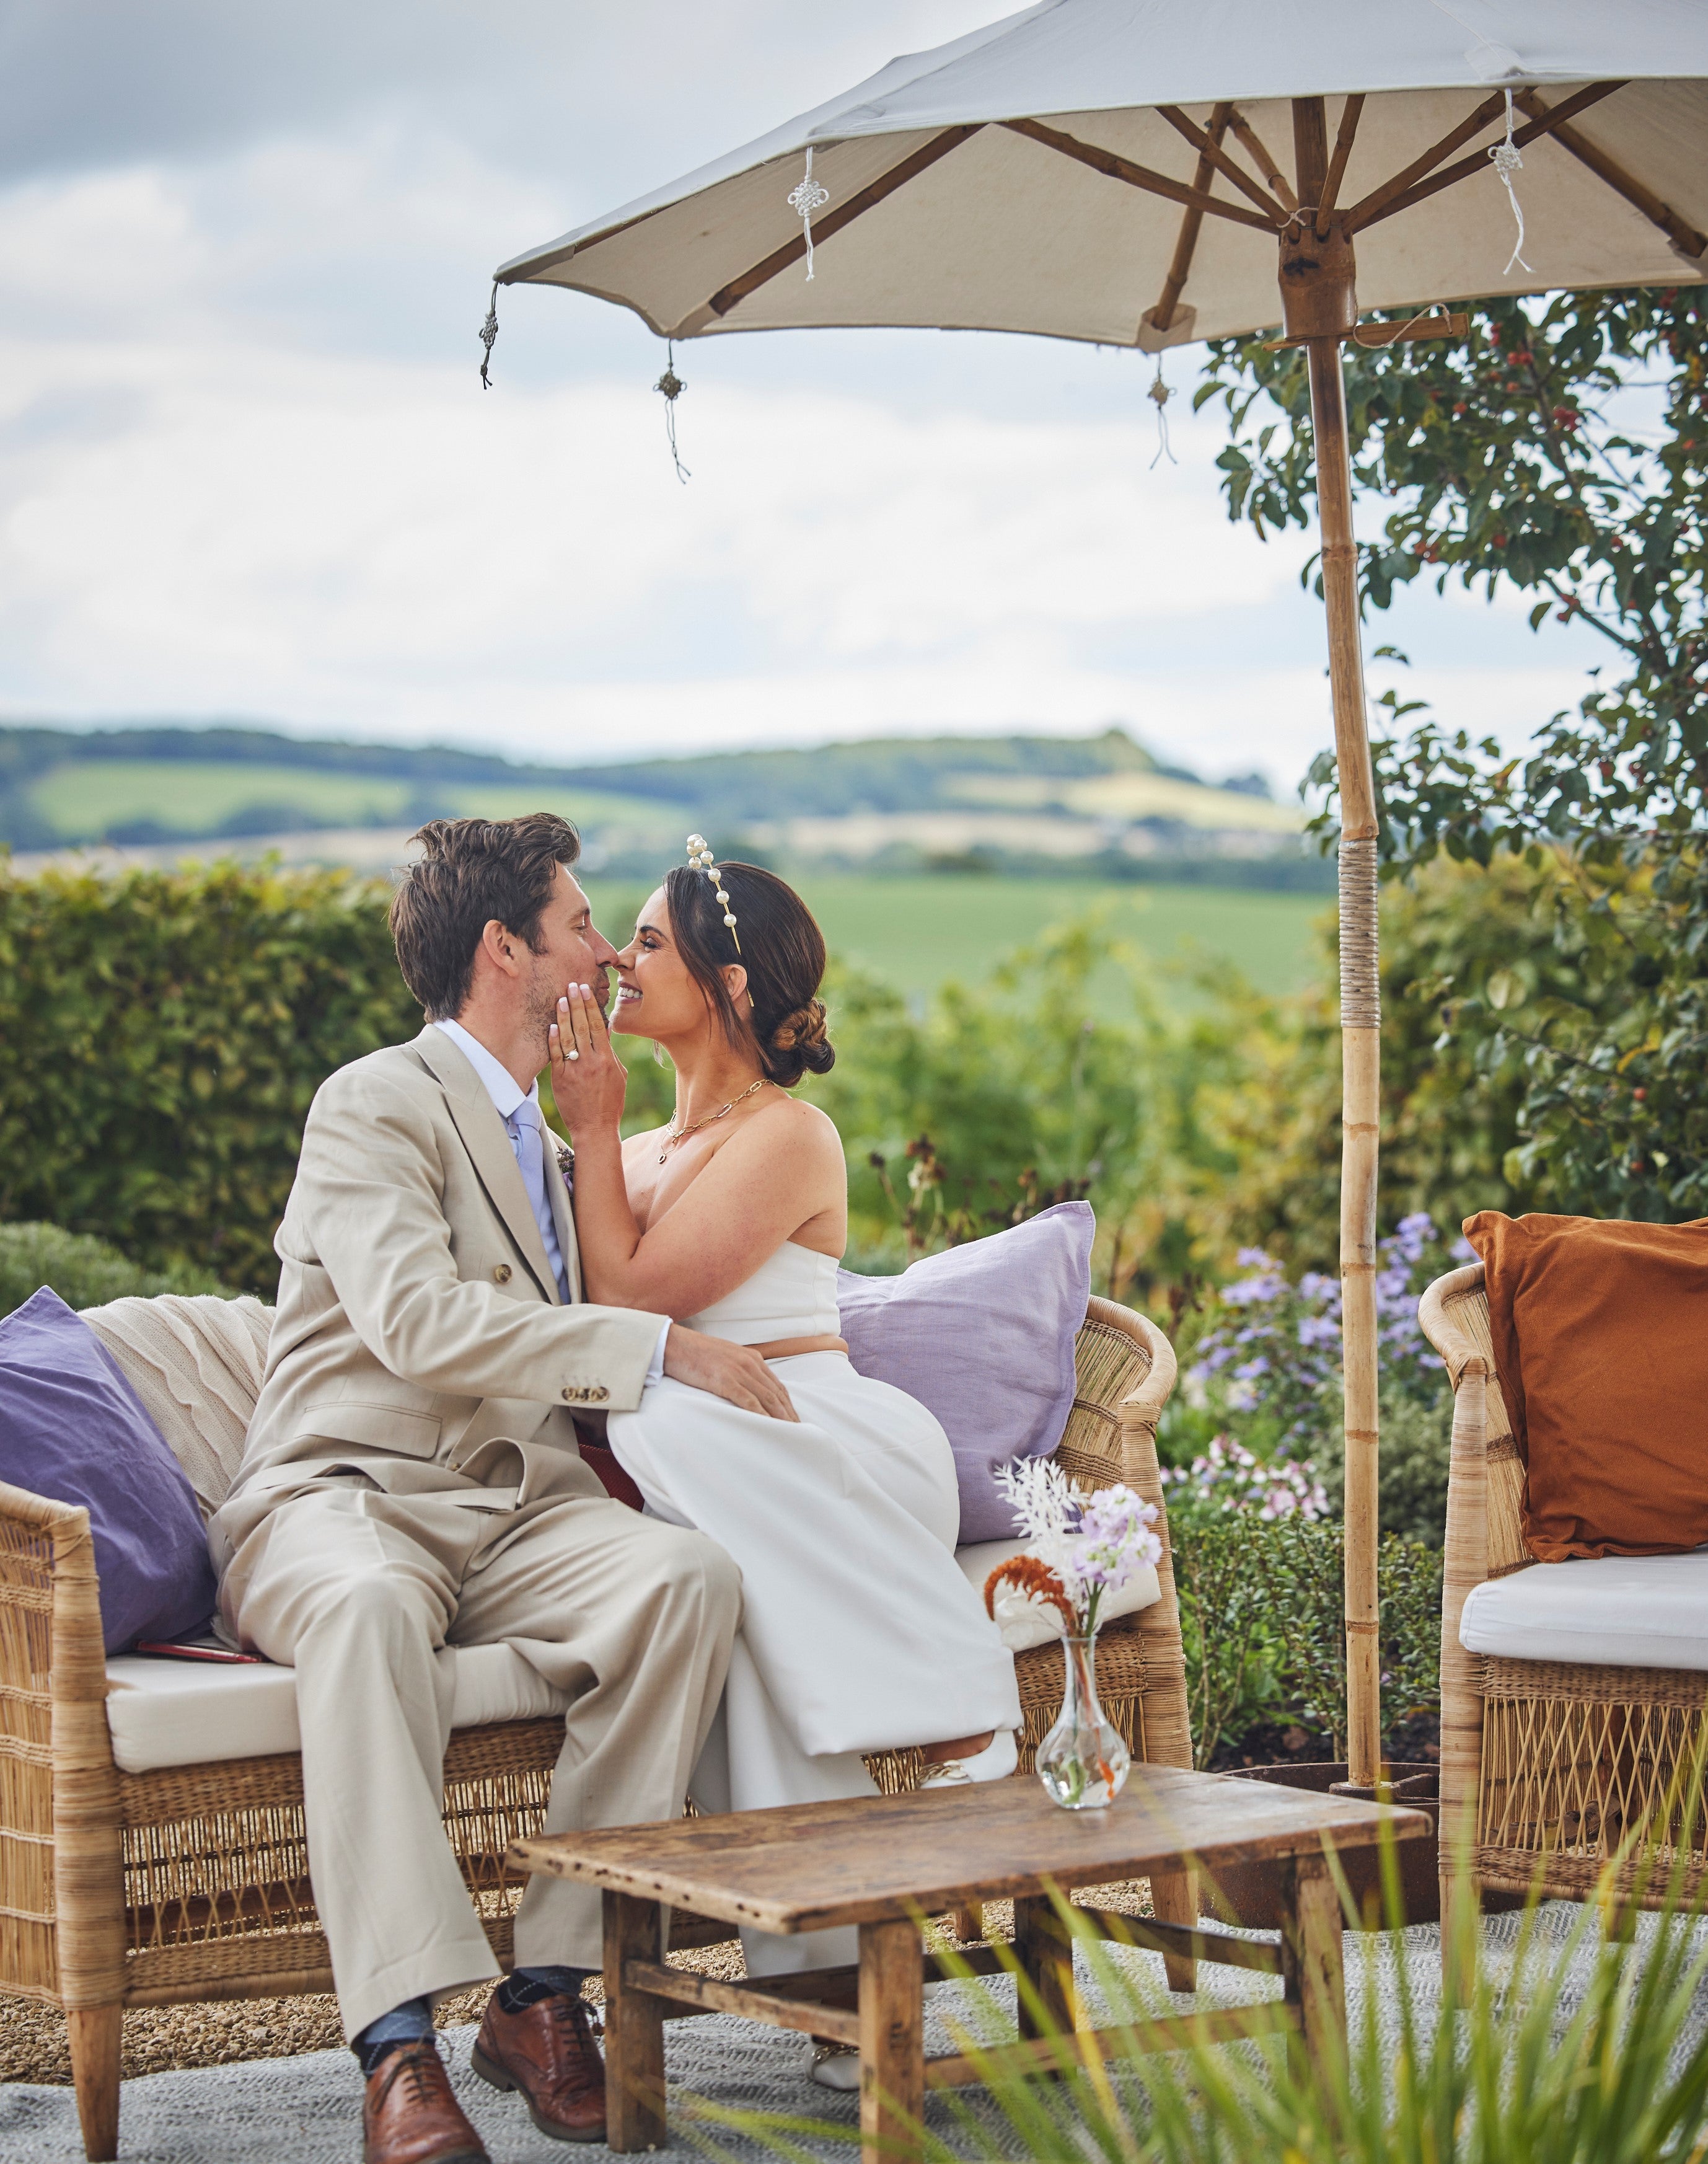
[{"x": 859, "y": 1632}]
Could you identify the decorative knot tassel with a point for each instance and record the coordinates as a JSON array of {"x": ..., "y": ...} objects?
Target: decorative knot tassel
[
  {"x": 806, "y": 198},
  {"x": 1159, "y": 394},
  {"x": 671, "y": 386},
  {"x": 488, "y": 338},
  {"x": 1508, "y": 159}
]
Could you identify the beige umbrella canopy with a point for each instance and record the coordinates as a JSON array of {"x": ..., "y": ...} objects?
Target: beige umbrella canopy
[{"x": 1140, "y": 173}]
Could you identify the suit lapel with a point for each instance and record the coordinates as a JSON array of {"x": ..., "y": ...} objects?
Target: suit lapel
[{"x": 487, "y": 1145}]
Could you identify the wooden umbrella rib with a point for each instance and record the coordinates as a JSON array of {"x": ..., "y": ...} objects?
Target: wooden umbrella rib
[
  {"x": 1683, "y": 235},
  {"x": 1117, "y": 168},
  {"x": 1478, "y": 162},
  {"x": 1349, "y": 116},
  {"x": 1174, "y": 284},
  {"x": 1376, "y": 203},
  {"x": 1223, "y": 163},
  {"x": 833, "y": 221},
  {"x": 1258, "y": 150}
]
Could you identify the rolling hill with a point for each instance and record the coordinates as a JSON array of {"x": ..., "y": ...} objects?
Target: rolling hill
[{"x": 1016, "y": 803}]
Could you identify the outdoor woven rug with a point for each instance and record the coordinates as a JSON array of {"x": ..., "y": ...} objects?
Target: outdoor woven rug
[{"x": 306, "y": 2109}]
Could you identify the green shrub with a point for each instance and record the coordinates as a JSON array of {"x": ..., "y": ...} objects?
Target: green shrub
[
  {"x": 165, "y": 1033},
  {"x": 1417, "y": 1440},
  {"x": 1262, "y": 1603},
  {"x": 83, "y": 1271}
]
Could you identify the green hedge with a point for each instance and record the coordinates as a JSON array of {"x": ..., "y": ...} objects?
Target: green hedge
[
  {"x": 85, "y": 1272},
  {"x": 164, "y": 1034}
]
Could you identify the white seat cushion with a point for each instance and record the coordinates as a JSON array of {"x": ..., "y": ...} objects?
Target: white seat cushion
[
  {"x": 188, "y": 1713},
  {"x": 1610, "y": 1611},
  {"x": 1027, "y": 1621}
]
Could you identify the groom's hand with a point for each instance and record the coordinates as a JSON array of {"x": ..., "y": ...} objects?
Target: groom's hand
[{"x": 735, "y": 1372}]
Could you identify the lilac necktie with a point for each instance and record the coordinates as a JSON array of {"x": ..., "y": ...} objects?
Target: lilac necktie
[{"x": 523, "y": 1128}]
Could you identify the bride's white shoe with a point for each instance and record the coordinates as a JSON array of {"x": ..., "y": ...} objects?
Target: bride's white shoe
[
  {"x": 995, "y": 1762},
  {"x": 836, "y": 2067}
]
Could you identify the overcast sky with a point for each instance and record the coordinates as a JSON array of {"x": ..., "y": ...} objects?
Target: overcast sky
[{"x": 246, "y": 468}]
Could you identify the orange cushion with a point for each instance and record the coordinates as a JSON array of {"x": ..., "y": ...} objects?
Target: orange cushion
[{"x": 1600, "y": 1337}]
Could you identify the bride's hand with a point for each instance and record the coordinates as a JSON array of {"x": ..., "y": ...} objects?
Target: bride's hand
[{"x": 588, "y": 1080}]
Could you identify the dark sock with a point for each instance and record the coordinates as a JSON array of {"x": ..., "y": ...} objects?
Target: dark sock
[
  {"x": 404, "y": 2025},
  {"x": 527, "y": 1987}
]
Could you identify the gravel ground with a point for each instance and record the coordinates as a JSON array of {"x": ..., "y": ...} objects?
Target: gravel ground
[{"x": 160, "y": 2039}]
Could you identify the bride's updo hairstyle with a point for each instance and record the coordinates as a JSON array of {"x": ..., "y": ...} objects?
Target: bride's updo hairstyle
[{"x": 782, "y": 951}]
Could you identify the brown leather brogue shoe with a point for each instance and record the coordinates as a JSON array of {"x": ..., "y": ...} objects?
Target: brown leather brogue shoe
[
  {"x": 547, "y": 2052},
  {"x": 409, "y": 2115}
]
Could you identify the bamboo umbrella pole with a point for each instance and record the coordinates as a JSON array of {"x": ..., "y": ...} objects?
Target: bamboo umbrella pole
[
  {"x": 1360, "y": 1054},
  {"x": 1319, "y": 296}
]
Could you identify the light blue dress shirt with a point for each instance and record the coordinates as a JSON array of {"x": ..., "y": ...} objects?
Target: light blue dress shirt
[{"x": 520, "y": 1111}]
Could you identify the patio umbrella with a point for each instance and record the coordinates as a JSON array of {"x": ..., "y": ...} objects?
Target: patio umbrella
[{"x": 1141, "y": 172}]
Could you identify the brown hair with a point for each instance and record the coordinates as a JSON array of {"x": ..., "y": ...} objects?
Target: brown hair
[
  {"x": 782, "y": 951},
  {"x": 472, "y": 871}
]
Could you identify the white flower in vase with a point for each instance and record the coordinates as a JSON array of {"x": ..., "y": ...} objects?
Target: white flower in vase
[{"x": 1080, "y": 1550}]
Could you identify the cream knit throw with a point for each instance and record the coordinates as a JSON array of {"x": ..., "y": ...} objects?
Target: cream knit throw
[{"x": 196, "y": 1363}]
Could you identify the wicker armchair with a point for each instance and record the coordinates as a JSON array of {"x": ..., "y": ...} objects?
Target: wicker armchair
[
  {"x": 1555, "y": 1776},
  {"x": 191, "y": 1882}
]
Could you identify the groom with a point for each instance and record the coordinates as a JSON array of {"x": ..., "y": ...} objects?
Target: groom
[{"x": 411, "y": 1481}]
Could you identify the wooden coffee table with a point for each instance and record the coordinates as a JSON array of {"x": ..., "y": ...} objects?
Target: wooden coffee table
[{"x": 886, "y": 1863}]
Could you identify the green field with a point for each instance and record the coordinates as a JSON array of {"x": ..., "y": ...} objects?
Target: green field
[
  {"x": 81, "y": 799},
  {"x": 920, "y": 933}
]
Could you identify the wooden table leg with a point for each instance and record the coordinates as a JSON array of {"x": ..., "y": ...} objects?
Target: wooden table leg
[
  {"x": 1174, "y": 1900},
  {"x": 634, "y": 2028},
  {"x": 892, "y": 2042},
  {"x": 968, "y": 1921},
  {"x": 1043, "y": 1948},
  {"x": 1313, "y": 1967}
]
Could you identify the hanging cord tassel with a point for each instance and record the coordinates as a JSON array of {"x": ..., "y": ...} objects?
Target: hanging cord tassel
[
  {"x": 1509, "y": 160},
  {"x": 488, "y": 338},
  {"x": 1160, "y": 393},
  {"x": 671, "y": 384},
  {"x": 807, "y": 198}
]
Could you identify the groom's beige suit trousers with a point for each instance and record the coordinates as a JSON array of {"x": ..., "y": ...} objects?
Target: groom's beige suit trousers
[{"x": 412, "y": 1480}]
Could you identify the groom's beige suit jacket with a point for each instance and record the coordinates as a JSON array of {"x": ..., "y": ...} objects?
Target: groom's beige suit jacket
[{"x": 420, "y": 1339}]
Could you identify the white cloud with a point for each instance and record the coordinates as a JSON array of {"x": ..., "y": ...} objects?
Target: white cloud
[
  {"x": 227, "y": 524},
  {"x": 245, "y": 469}
]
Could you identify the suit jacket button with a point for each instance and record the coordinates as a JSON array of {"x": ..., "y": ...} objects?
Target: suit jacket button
[
  {"x": 600, "y": 1395},
  {"x": 500, "y": 1273}
]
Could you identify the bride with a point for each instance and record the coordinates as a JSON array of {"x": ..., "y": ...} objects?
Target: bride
[{"x": 859, "y": 1632}]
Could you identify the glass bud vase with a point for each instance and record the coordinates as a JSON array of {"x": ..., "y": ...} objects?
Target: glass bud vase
[{"x": 1083, "y": 1761}]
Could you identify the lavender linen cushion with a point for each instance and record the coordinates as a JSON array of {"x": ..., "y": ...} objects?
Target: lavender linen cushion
[
  {"x": 984, "y": 1336},
  {"x": 73, "y": 1429}
]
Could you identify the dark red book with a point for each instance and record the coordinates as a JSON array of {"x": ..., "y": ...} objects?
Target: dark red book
[{"x": 197, "y": 1649}]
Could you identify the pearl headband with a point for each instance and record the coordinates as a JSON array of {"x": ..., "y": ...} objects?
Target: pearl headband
[{"x": 700, "y": 857}]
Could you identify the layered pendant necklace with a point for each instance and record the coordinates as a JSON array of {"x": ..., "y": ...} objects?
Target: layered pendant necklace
[{"x": 680, "y": 1135}]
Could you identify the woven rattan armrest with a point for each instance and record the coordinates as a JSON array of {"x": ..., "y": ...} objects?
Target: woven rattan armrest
[
  {"x": 1485, "y": 1539},
  {"x": 61, "y": 1856}
]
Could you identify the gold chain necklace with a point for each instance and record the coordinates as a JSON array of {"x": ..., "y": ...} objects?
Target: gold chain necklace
[{"x": 723, "y": 1112}]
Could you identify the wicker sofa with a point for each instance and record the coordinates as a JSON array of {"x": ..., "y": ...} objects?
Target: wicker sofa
[
  {"x": 190, "y": 1881},
  {"x": 1568, "y": 1775}
]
